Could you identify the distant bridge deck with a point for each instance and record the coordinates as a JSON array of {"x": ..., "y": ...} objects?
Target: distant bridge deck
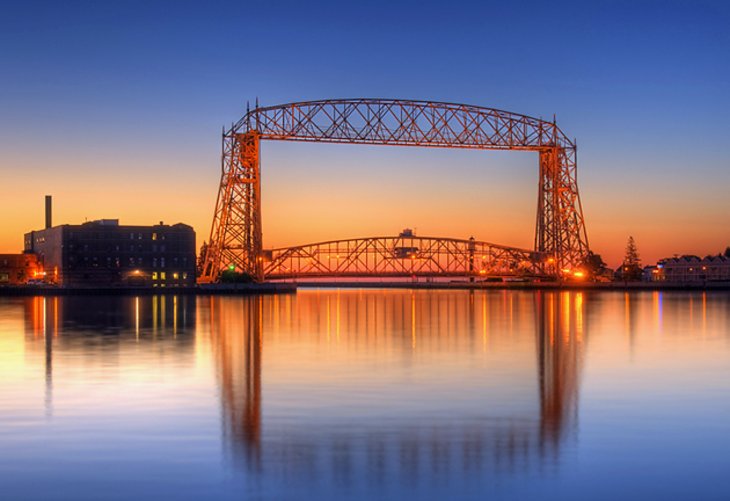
[{"x": 405, "y": 255}]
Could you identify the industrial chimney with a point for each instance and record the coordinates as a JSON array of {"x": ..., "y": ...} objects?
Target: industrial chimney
[{"x": 49, "y": 211}]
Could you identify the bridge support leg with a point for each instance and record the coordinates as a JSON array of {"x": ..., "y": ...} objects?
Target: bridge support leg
[
  {"x": 236, "y": 241},
  {"x": 560, "y": 230}
]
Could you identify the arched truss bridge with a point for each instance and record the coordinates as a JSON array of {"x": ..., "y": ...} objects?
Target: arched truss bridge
[
  {"x": 236, "y": 242},
  {"x": 403, "y": 256}
]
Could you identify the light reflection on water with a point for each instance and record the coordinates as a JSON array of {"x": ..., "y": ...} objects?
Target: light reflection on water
[{"x": 368, "y": 394}]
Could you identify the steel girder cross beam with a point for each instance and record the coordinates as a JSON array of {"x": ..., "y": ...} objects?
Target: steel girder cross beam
[{"x": 235, "y": 238}]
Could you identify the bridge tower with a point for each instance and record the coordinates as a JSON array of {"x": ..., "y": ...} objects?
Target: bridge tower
[
  {"x": 236, "y": 241},
  {"x": 560, "y": 228}
]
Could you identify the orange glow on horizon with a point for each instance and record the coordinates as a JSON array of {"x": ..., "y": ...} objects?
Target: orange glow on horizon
[{"x": 315, "y": 197}]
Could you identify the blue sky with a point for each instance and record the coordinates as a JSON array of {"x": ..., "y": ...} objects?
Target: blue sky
[{"x": 133, "y": 94}]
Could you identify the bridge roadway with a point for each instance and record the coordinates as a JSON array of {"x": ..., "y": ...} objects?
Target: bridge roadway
[{"x": 405, "y": 255}]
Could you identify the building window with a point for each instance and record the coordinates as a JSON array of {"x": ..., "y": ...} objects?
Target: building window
[
  {"x": 154, "y": 236},
  {"x": 154, "y": 275},
  {"x": 175, "y": 275},
  {"x": 163, "y": 275},
  {"x": 162, "y": 262}
]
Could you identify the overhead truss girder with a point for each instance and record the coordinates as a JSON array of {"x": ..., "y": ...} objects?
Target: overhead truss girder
[{"x": 403, "y": 123}]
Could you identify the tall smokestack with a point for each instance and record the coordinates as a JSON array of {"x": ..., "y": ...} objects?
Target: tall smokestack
[{"x": 49, "y": 211}]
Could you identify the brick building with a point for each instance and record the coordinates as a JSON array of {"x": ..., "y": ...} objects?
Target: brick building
[{"x": 105, "y": 253}]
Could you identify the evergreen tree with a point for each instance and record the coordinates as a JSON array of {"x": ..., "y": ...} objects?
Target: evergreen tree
[
  {"x": 201, "y": 258},
  {"x": 631, "y": 267},
  {"x": 594, "y": 265}
]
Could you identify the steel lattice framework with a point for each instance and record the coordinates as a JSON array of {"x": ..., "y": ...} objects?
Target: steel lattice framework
[
  {"x": 403, "y": 256},
  {"x": 236, "y": 236}
]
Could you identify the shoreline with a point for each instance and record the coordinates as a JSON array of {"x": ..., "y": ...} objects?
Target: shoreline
[
  {"x": 200, "y": 290},
  {"x": 292, "y": 287},
  {"x": 605, "y": 286}
]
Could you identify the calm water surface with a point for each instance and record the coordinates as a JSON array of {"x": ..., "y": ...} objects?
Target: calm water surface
[{"x": 373, "y": 394}]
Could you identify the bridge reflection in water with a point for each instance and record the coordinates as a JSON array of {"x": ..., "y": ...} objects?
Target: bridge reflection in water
[
  {"x": 440, "y": 394},
  {"x": 522, "y": 385},
  {"x": 351, "y": 385}
]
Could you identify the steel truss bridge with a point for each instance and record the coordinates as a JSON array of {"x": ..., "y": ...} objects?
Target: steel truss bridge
[
  {"x": 403, "y": 256},
  {"x": 236, "y": 241}
]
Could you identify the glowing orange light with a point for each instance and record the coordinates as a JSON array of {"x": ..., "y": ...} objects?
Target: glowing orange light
[{"x": 578, "y": 274}]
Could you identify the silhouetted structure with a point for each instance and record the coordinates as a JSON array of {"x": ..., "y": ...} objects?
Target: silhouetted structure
[{"x": 105, "y": 253}]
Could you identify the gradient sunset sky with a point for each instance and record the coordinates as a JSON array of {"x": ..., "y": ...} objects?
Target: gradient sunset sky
[{"x": 116, "y": 109}]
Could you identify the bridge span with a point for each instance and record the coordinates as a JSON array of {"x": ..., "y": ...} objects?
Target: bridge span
[
  {"x": 236, "y": 240},
  {"x": 405, "y": 255}
]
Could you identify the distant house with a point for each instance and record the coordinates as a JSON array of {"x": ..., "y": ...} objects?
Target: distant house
[
  {"x": 651, "y": 274},
  {"x": 688, "y": 269}
]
